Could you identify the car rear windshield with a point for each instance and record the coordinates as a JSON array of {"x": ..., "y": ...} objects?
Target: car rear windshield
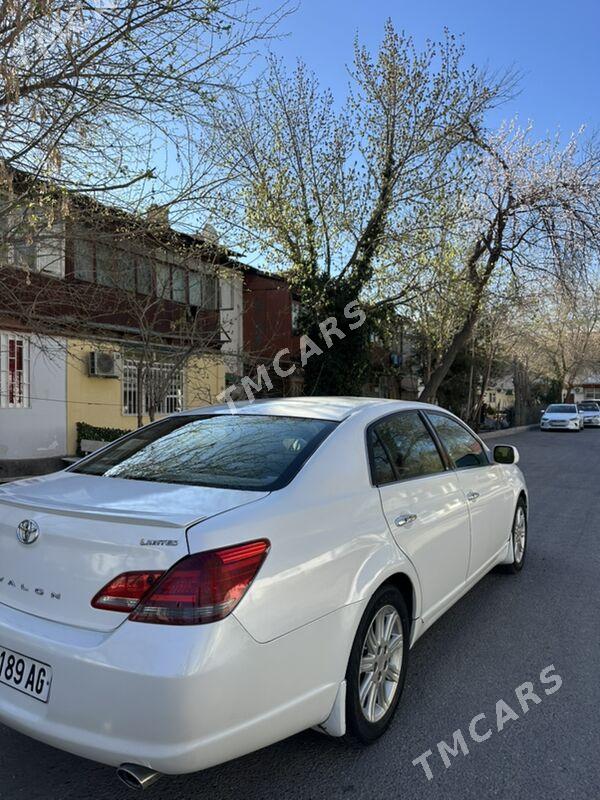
[
  {"x": 257, "y": 453},
  {"x": 561, "y": 408}
]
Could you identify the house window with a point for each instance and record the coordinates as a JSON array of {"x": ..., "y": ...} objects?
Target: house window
[
  {"x": 179, "y": 285},
  {"x": 125, "y": 270},
  {"x": 210, "y": 292},
  {"x": 195, "y": 280},
  {"x": 170, "y": 386},
  {"x": 163, "y": 281},
  {"x": 163, "y": 381},
  {"x": 83, "y": 260},
  {"x": 144, "y": 275},
  {"x": 104, "y": 265},
  {"x": 130, "y": 387},
  {"x": 204, "y": 290},
  {"x": 25, "y": 247},
  {"x": 26, "y": 253},
  {"x": 227, "y": 294},
  {"x": 14, "y": 371}
]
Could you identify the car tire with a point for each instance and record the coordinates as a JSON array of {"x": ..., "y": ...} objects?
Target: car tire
[
  {"x": 373, "y": 694},
  {"x": 519, "y": 533}
]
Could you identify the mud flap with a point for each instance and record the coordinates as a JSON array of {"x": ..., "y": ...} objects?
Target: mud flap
[{"x": 335, "y": 724}]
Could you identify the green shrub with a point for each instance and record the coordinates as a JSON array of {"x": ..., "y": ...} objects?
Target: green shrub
[{"x": 97, "y": 434}]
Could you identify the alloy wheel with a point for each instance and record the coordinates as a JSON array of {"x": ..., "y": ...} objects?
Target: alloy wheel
[
  {"x": 519, "y": 534},
  {"x": 381, "y": 663}
]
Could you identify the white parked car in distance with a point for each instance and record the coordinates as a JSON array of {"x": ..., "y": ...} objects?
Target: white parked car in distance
[
  {"x": 590, "y": 411},
  {"x": 215, "y": 582},
  {"x": 561, "y": 416}
]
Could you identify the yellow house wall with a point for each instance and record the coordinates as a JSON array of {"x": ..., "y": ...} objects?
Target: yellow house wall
[
  {"x": 98, "y": 401},
  {"x": 204, "y": 380}
]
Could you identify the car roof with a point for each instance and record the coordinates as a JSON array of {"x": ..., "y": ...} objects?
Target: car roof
[{"x": 330, "y": 408}]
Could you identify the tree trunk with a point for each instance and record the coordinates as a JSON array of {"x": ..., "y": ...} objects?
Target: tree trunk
[
  {"x": 471, "y": 395},
  {"x": 522, "y": 393},
  {"x": 460, "y": 339},
  {"x": 140, "y": 394},
  {"x": 485, "y": 379},
  {"x": 568, "y": 388},
  {"x": 492, "y": 244}
]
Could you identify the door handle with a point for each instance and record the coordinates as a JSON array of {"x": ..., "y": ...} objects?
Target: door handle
[
  {"x": 472, "y": 496},
  {"x": 405, "y": 519}
]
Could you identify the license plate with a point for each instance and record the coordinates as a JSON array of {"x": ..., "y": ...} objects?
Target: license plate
[{"x": 25, "y": 675}]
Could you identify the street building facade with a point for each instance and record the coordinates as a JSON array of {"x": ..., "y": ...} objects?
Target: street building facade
[{"x": 108, "y": 327}]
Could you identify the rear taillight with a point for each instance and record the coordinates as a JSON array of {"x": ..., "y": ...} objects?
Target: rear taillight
[
  {"x": 125, "y": 592},
  {"x": 204, "y": 587}
]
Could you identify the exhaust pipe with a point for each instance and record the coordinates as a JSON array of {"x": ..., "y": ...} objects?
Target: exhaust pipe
[{"x": 137, "y": 777}]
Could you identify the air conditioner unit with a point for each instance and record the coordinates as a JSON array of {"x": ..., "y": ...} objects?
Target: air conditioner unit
[{"x": 104, "y": 364}]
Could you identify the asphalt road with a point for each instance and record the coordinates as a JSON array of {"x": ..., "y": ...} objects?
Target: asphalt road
[{"x": 503, "y": 633}]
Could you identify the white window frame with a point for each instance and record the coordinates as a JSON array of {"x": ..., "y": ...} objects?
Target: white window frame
[
  {"x": 172, "y": 401},
  {"x": 23, "y": 400}
]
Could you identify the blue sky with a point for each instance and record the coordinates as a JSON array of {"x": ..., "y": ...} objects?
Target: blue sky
[{"x": 555, "y": 45}]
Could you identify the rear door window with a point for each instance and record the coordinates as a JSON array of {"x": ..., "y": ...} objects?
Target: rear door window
[
  {"x": 464, "y": 449},
  {"x": 401, "y": 447}
]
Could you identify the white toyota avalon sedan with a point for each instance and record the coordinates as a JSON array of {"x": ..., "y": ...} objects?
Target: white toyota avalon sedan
[{"x": 215, "y": 582}]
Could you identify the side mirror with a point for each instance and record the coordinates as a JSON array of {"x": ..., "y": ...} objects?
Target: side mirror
[{"x": 506, "y": 454}]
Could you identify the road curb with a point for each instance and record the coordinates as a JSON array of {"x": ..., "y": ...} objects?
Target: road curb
[{"x": 506, "y": 431}]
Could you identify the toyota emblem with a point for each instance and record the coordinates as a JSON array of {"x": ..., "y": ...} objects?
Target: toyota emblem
[{"x": 28, "y": 531}]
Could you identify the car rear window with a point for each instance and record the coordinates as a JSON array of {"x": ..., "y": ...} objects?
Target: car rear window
[{"x": 253, "y": 452}]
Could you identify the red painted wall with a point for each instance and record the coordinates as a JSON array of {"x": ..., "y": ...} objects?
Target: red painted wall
[{"x": 267, "y": 317}]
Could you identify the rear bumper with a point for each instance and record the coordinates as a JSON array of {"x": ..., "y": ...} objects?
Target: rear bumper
[{"x": 174, "y": 699}]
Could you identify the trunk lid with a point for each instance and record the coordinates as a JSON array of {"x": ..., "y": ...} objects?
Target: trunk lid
[{"x": 91, "y": 529}]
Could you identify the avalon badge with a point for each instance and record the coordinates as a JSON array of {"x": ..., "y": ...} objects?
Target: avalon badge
[{"x": 28, "y": 531}]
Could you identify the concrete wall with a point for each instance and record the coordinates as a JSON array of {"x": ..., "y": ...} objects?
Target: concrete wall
[{"x": 39, "y": 431}]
